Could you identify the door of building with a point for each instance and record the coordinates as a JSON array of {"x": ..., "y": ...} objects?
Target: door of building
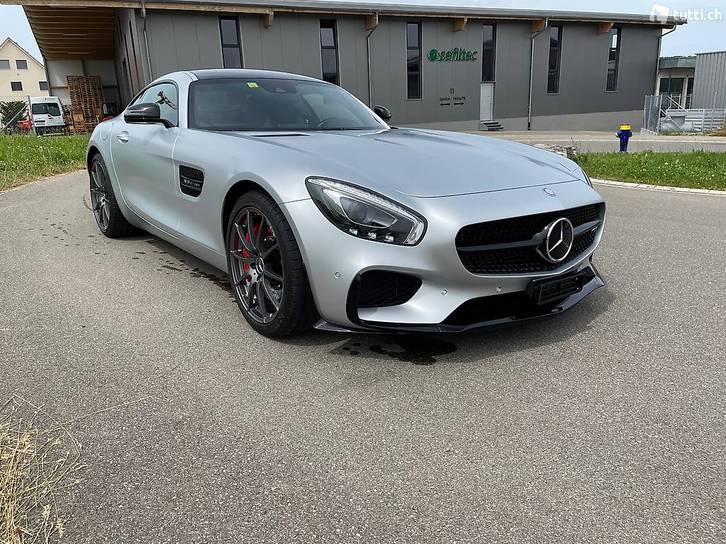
[{"x": 486, "y": 102}]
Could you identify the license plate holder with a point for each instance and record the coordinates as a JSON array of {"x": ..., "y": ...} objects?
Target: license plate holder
[{"x": 549, "y": 290}]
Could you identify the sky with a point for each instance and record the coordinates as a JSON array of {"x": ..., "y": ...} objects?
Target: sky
[{"x": 695, "y": 37}]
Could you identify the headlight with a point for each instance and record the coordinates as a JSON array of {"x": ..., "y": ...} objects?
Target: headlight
[{"x": 364, "y": 214}]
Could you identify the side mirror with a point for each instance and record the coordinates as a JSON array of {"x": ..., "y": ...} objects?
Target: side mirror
[
  {"x": 145, "y": 113},
  {"x": 383, "y": 112}
]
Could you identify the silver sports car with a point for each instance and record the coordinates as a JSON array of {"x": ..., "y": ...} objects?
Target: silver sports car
[{"x": 324, "y": 215}]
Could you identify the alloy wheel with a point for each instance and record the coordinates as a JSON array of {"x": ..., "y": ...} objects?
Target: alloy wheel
[
  {"x": 99, "y": 197},
  {"x": 257, "y": 272}
]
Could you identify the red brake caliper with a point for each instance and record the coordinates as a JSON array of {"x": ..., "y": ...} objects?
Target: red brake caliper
[{"x": 245, "y": 253}]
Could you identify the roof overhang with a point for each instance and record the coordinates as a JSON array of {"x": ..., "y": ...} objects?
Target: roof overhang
[{"x": 72, "y": 32}]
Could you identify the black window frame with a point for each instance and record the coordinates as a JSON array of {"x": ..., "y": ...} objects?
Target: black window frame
[
  {"x": 553, "y": 74},
  {"x": 42, "y": 87},
  {"x": 13, "y": 84},
  {"x": 4, "y": 66},
  {"x": 17, "y": 64},
  {"x": 137, "y": 98},
  {"x": 492, "y": 54},
  {"x": 418, "y": 72},
  {"x": 331, "y": 24},
  {"x": 611, "y": 82},
  {"x": 230, "y": 45}
]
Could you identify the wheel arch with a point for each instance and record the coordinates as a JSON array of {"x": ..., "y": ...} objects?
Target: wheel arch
[
  {"x": 92, "y": 152},
  {"x": 235, "y": 191}
]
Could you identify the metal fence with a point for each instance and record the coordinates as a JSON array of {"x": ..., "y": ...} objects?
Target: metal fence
[
  {"x": 14, "y": 118},
  {"x": 663, "y": 113},
  {"x": 19, "y": 116}
]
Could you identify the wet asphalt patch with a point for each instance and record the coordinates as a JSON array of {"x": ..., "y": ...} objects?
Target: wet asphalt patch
[{"x": 407, "y": 348}]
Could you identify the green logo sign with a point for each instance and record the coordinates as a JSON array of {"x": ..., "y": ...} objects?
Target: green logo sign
[{"x": 456, "y": 54}]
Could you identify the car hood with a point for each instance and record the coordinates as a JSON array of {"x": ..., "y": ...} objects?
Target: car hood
[{"x": 422, "y": 163}]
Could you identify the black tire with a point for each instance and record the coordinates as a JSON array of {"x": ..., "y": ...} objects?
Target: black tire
[
  {"x": 269, "y": 248},
  {"x": 109, "y": 218}
]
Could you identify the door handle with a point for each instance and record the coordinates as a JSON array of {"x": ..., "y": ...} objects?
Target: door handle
[{"x": 123, "y": 137}]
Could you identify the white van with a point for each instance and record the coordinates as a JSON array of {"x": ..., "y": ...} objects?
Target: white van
[{"x": 47, "y": 112}]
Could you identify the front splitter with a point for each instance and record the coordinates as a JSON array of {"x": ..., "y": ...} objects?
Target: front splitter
[{"x": 366, "y": 326}]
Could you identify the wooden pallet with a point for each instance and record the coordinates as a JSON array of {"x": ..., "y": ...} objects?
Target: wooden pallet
[{"x": 86, "y": 94}]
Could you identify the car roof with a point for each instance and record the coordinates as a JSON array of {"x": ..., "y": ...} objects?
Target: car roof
[{"x": 231, "y": 73}]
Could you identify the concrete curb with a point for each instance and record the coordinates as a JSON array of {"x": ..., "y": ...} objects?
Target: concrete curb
[{"x": 667, "y": 189}]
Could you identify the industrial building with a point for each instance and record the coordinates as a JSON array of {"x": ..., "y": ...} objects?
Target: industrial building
[
  {"x": 437, "y": 66},
  {"x": 696, "y": 81}
]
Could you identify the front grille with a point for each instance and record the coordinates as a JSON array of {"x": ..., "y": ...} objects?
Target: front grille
[
  {"x": 522, "y": 259},
  {"x": 379, "y": 288}
]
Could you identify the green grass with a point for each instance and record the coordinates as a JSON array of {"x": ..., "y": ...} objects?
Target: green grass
[
  {"x": 695, "y": 169},
  {"x": 25, "y": 158}
]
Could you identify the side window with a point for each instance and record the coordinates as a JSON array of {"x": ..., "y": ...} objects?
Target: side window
[{"x": 166, "y": 96}]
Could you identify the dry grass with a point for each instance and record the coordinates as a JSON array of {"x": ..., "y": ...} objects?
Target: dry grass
[{"x": 39, "y": 461}]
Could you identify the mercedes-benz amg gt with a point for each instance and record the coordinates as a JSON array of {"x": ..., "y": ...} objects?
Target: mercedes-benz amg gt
[{"x": 324, "y": 215}]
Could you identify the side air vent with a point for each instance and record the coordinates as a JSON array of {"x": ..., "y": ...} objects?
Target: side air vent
[
  {"x": 379, "y": 288},
  {"x": 191, "y": 180}
]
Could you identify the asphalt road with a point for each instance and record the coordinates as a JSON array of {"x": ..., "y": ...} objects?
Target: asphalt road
[{"x": 606, "y": 424}]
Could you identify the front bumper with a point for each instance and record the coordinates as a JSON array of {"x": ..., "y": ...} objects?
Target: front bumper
[{"x": 335, "y": 260}]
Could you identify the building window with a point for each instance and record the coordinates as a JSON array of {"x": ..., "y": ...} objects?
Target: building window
[
  {"x": 672, "y": 87},
  {"x": 329, "y": 51},
  {"x": 613, "y": 59},
  {"x": 21, "y": 64},
  {"x": 16, "y": 85},
  {"x": 488, "y": 53},
  {"x": 231, "y": 48},
  {"x": 4, "y": 64},
  {"x": 553, "y": 68},
  {"x": 689, "y": 92},
  {"x": 413, "y": 60},
  {"x": 43, "y": 85}
]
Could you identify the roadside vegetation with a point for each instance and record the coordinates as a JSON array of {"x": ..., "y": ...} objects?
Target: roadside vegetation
[
  {"x": 695, "y": 170},
  {"x": 25, "y": 158},
  {"x": 39, "y": 464}
]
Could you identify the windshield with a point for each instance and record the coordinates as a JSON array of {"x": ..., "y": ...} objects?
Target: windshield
[
  {"x": 43, "y": 108},
  {"x": 276, "y": 105}
]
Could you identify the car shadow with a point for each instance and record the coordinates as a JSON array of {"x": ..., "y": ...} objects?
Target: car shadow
[
  {"x": 428, "y": 349},
  {"x": 418, "y": 349}
]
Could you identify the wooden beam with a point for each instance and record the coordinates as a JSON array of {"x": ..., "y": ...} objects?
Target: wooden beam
[
  {"x": 371, "y": 21},
  {"x": 604, "y": 28},
  {"x": 460, "y": 23},
  {"x": 538, "y": 25},
  {"x": 267, "y": 18}
]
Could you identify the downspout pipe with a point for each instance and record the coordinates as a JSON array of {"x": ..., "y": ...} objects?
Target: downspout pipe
[
  {"x": 531, "y": 72},
  {"x": 657, "y": 60},
  {"x": 146, "y": 44},
  {"x": 368, "y": 61}
]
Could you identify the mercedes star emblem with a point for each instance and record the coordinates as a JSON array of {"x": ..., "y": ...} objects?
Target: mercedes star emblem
[{"x": 556, "y": 241}]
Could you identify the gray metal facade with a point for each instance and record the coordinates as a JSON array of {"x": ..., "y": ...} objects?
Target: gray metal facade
[
  {"x": 709, "y": 90},
  {"x": 450, "y": 96}
]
